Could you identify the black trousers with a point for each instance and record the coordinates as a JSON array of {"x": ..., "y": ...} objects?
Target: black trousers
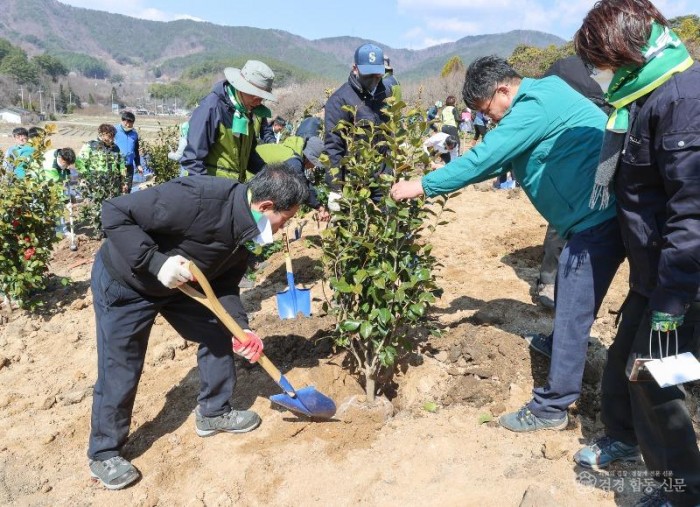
[
  {"x": 129, "y": 178},
  {"x": 123, "y": 319},
  {"x": 642, "y": 412}
]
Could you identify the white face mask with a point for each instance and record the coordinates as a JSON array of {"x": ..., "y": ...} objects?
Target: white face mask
[
  {"x": 603, "y": 78},
  {"x": 265, "y": 229}
]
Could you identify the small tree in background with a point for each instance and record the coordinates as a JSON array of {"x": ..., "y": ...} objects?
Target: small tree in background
[
  {"x": 29, "y": 210},
  {"x": 101, "y": 177},
  {"x": 166, "y": 141},
  {"x": 375, "y": 254}
]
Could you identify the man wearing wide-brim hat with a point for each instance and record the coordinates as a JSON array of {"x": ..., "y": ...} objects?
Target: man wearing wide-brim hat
[{"x": 221, "y": 137}]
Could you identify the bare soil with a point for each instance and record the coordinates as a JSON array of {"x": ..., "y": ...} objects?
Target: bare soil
[{"x": 433, "y": 441}]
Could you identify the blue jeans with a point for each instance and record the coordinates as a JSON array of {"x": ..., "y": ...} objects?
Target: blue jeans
[
  {"x": 587, "y": 266},
  {"x": 124, "y": 318}
]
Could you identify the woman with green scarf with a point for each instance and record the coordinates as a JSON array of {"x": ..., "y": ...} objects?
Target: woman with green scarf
[{"x": 651, "y": 160}]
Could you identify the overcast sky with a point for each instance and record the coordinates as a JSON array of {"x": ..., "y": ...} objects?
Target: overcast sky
[{"x": 412, "y": 24}]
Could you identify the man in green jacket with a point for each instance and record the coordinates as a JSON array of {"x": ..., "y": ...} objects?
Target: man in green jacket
[
  {"x": 222, "y": 136},
  {"x": 549, "y": 136}
]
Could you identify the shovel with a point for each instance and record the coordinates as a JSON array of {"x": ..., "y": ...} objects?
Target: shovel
[
  {"x": 307, "y": 400},
  {"x": 291, "y": 301}
]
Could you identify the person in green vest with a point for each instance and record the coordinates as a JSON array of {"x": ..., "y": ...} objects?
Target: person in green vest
[
  {"x": 222, "y": 137},
  {"x": 302, "y": 156},
  {"x": 59, "y": 165}
]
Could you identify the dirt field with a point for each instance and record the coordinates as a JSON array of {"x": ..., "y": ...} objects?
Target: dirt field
[{"x": 405, "y": 455}]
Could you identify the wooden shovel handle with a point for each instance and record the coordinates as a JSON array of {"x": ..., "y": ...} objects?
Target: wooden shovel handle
[
  {"x": 212, "y": 302},
  {"x": 287, "y": 255}
]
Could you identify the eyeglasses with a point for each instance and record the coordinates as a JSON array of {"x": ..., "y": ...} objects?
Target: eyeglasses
[{"x": 486, "y": 110}]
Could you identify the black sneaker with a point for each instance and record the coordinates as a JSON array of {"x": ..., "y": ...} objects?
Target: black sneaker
[
  {"x": 114, "y": 473},
  {"x": 655, "y": 498},
  {"x": 233, "y": 421},
  {"x": 541, "y": 343}
]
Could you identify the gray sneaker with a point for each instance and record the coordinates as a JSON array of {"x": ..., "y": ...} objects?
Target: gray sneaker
[
  {"x": 604, "y": 451},
  {"x": 523, "y": 421},
  {"x": 234, "y": 421},
  {"x": 114, "y": 473}
]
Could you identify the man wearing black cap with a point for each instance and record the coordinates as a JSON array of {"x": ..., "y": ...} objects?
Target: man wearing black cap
[
  {"x": 364, "y": 91},
  {"x": 221, "y": 138}
]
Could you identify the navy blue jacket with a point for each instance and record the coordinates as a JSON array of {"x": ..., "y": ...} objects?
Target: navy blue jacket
[
  {"x": 369, "y": 109},
  {"x": 309, "y": 127},
  {"x": 296, "y": 164},
  {"x": 658, "y": 194},
  {"x": 203, "y": 218}
]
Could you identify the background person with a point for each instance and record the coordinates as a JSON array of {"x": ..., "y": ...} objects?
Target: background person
[
  {"x": 127, "y": 139},
  {"x": 449, "y": 119},
  {"x": 441, "y": 144}
]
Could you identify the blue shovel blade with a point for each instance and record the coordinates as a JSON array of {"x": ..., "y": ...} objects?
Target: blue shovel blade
[
  {"x": 291, "y": 302},
  {"x": 308, "y": 401}
]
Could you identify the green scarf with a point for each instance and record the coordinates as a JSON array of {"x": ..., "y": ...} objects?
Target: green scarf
[
  {"x": 239, "y": 125},
  {"x": 664, "y": 55}
]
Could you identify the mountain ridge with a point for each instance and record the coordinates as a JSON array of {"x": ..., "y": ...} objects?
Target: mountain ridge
[{"x": 56, "y": 27}]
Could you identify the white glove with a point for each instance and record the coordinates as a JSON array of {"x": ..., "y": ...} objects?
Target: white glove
[
  {"x": 333, "y": 198},
  {"x": 174, "y": 272}
]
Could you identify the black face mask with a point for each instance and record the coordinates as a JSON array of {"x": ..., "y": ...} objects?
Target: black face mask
[{"x": 369, "y": 82}]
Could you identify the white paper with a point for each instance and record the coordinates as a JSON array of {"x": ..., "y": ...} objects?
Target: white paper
[{"x": 673, "y": 370}]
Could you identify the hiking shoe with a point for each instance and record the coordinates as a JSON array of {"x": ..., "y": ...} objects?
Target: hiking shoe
[
  {"x": 604, "y": 451},
  {"x": 114, "y": 473},
  {"x": 523, "y": 420},
  {"x": 233, "y": 421},
  {"x": 541, "y": 343},
  {"x": 545, "y": 295},
  {"x": 656, "y": 498}
]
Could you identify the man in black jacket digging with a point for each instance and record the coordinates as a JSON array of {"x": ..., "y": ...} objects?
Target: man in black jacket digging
[{"x": 151, "y": 236}]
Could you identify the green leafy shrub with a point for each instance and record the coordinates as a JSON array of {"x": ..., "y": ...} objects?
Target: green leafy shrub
[
  {"x": 376, "y": 255},
  {"x": 166, "y": 141},
  {"x": 29, "y": 210},
  {"x": 101, "y": 178}
]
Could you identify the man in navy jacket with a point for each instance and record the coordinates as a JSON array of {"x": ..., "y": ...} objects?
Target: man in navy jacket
[{"x": 365, "y": 91}]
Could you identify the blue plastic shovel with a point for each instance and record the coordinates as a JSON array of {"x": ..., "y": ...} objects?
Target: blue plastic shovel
[
  {"x": 307, "y": 400},
  {"x": 291, "y": 301}
]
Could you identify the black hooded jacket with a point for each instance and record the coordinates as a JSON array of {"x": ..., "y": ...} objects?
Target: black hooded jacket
[{"x": 202, "y": 218}]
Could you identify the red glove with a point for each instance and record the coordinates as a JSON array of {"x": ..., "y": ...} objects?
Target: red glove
[{"x": 252, "y": 350}]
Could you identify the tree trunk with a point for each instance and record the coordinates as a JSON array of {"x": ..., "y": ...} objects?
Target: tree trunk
[{"x": 370, "y": 387}]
